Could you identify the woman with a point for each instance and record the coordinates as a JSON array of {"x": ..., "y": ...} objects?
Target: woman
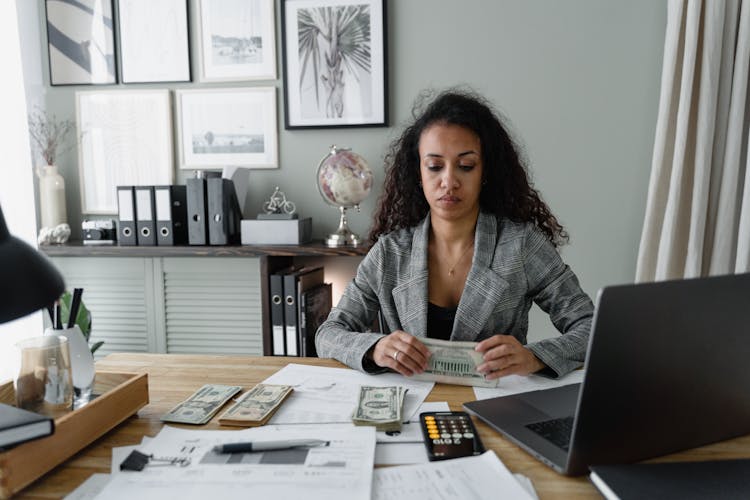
[{"x": 462, "y": 246}]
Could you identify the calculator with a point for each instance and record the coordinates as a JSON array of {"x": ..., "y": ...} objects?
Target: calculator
[{"x": 449, "y": 434}]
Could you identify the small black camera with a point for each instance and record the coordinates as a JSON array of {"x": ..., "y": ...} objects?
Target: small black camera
[{"x": 99, "y": 232}]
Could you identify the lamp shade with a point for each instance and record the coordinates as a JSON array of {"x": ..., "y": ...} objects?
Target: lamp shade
[{"x": 28, "y": 279}]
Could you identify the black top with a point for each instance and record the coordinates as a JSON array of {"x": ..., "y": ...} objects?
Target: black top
[{"x": 440, "y": 321}]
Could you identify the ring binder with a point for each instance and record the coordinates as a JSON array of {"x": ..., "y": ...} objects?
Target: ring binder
[
  {"x": 144, "y": 215},
  {"x": 126, "y": 216}
]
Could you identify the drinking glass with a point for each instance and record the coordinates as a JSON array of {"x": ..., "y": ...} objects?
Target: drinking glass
[
  {"x": 82, "y": 362},
  {"x": 45, "y": 380}
]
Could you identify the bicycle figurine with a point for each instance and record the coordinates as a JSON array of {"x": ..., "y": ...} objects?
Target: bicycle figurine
[{"x": 278, "y": 203}]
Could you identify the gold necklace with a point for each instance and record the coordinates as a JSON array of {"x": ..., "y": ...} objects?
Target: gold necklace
[{"x": 452, "y": 270}]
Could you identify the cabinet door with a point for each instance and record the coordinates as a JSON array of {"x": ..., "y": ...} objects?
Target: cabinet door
[
  {"x": 212, "y": 305},
  {"x": 119, "y": 292}
]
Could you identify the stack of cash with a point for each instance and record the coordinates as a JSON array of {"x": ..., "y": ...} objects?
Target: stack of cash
[
  {"x": 202, "y": 405},
  {"x": 381, "y": 407},
  {"x": 256, "y": 406},
  {"x": 454, "y": 362}
]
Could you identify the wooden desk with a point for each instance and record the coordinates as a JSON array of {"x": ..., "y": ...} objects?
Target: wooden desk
[{"x": 172, "y": 378}]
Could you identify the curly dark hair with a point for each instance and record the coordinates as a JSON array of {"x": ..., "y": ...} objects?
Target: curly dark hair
[{"x": 506, "y": 190}]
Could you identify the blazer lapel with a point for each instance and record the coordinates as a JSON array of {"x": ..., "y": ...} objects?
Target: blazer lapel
[
  {"x": 410, "y": 296},
  {"x": 484, "y": 288}
]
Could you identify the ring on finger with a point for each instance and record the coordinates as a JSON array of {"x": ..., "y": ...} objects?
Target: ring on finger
[{"x": 395, "y": 355}]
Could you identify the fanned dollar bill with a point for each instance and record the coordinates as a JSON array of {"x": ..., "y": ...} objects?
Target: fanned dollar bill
[
  {"x": 256, "y": 406},
  {"x": 380, "y": 407},
  {"x": 202, "y": 405},
  {"x": 453, "y": 362}
]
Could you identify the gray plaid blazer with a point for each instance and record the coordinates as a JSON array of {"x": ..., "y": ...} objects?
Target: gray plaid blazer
[{"x": 513, "y": 265}]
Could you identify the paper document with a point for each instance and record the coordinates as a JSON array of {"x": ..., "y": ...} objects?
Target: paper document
[
  {"x": 411, "y": 432},
  {"x": 515, "y": 384},
  {"x": 90, "y": 488},
  {"x": 407, "y": 445},
  {"x": 329, "y": 395},
  {"x": 468, "y": 478},
  {"x": 340, "y": 469}
]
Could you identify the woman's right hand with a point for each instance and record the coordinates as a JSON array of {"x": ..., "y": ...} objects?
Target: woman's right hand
[{"x": 401, "y": 352}]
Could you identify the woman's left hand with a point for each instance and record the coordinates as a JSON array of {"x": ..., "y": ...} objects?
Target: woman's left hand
[{"x": 505, "y": 355}]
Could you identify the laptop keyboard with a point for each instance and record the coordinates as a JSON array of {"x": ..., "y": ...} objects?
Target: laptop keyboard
[{"x": 557, "y": 431}]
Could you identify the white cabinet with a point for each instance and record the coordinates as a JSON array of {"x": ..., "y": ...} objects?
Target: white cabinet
[{"x": 193, "y": 305}]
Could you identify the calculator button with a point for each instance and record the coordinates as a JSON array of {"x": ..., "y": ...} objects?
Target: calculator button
[
  {"x": 468, "y": 435},
  {"x": 445, "y": 435},
  {"x": 456, "y": 435}
]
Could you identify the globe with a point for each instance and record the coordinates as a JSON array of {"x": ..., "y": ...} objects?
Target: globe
[
  {"x": 344, "y": 181},
  {"x": 344, "y": 178}
]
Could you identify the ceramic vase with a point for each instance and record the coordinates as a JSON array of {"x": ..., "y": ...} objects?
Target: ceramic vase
[{"x": 51, "y": 196}]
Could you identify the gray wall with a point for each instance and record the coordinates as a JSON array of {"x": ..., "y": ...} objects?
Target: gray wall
[{"x": 577, "y": 80}]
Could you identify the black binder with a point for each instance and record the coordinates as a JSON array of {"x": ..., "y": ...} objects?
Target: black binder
[
  {"x": 294, "y": 284},
  {"x": 224, "y": 215},
  {"x": 145, "y": 222},
  {"x": 314, "y": 307},
  {"x": 196, "y": 210},
  {"x": 276, "y": 291},
  {"x": 126, "y": 216},
  {"x": 171, "y": 215}
]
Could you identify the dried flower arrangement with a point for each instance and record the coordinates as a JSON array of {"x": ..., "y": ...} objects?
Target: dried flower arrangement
[{"x": 49, "y": 135}]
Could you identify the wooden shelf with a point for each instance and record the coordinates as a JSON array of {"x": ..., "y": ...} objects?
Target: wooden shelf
[
  {"x": 77, "y": 249},
  {"x": 271, "y": 257}
]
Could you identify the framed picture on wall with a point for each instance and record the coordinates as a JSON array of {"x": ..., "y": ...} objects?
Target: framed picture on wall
[
  {"x": 153, "y": 41},
  {"x": 238, "y": 40},
  {"x": 227, "y": 127},
  {"x": 335, "y": 70},
  {"x": 81, "y": 42},
  {"x": 125, "y": 140}
]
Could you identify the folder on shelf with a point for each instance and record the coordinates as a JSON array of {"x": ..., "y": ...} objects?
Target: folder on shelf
[
  {"x": 294, "y": 284},
  {"x": 196, "y": 211},
  {"x": 171, "y": 215},
  {"x": 276, "y": 292},
  {"x": 126, "y": 216},
  {"x": 145, "y": 222},
  {"x": 314, "y": 307},
  {"x": 223, "y": 212}
]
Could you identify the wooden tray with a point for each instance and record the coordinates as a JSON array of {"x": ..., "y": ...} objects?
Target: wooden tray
[{"x": 122, "y": 395}]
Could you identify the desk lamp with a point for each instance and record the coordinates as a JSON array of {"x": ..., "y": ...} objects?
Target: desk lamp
[{"x": 29, "y": 281}]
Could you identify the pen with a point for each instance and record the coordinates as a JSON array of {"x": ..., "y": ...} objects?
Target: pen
[
  {"x": 74, "y": 306},
  {"x": 267, "y": 445}
]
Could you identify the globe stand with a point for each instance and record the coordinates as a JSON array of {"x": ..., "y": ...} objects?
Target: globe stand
[{"x": 343, "y": 235}]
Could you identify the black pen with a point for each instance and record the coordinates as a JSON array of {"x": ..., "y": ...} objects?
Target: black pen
[
  {"x": 74, "y": 306},
  {"x": 268, "y": 445},
  {"x": 58, "y": 319}
]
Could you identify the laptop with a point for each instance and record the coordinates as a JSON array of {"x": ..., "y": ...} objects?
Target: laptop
[{"x": 666, "y": 370}]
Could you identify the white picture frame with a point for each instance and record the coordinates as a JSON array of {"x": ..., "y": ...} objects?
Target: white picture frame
[
  {"x": 80, "y": 42},
  {"x": 125, "y": 140},
  {"x": 335, "y": 63},
  {"x": 237, "y": 40},
  {"x": 153, "y": 41},
  {"x": 221, "y": 127}
]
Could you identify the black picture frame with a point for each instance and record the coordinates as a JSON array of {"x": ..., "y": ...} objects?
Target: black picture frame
[
  {"x": 359, "y": 95},
  {"x": 80, "y": 42},
  {"x": 153, "y": 41}
]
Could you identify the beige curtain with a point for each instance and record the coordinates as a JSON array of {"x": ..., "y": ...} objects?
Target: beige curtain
[{"x": 697, "y": 219}]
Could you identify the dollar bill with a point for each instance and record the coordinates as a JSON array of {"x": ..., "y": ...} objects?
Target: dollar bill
[
  {"x": 453, "y": 362},
  {"x": 381, "y": 407},
  {"x": 202, "y": 405},
  {"x": 256, "y": 406}
]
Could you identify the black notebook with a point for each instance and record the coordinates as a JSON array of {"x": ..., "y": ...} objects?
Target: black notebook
[
  {"x": 17, "y": 425},
  {"x": 717, "y": 480}
]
